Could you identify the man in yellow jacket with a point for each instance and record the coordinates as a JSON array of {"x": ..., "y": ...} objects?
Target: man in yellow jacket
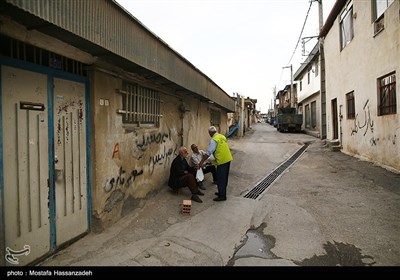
[{"x": 220, "y": 149}]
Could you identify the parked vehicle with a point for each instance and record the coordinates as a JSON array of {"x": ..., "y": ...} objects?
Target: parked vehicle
[{"x": 288, "y": 120}]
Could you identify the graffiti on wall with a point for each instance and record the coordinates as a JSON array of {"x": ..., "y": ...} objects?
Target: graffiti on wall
[
  {"x": 390, "y": 137},
  {"x": 161, "y": 158},
  {"x": 64, "y": 112},
  {"x": 158, "y": 138},
  {"x": 363, "y": 122},
  {"x": 123, "y": 179},
  {"x": 116, "y": 152},
  {"x": 116, "y": 186}
]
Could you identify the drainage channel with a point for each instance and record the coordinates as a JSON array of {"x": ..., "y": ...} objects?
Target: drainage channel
[{"x": 267, "y": 181}]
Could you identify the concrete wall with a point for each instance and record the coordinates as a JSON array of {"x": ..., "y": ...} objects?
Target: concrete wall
[
  {"x": 357, "y": 68},
  {"x": 311, "y": 92},
  {"x": 128, "y": 164}
]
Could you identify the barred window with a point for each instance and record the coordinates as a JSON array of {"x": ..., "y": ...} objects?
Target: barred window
[
  {"x": 140, "y": 105},
  {"x": 16, "y": 49},
  {"x": 215, "y": 118},
  {"x": 350, "y": 106},
  {"x": 387, "y": 95}
]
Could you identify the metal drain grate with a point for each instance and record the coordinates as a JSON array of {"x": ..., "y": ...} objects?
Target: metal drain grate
[{"x": 264, "y": 184}]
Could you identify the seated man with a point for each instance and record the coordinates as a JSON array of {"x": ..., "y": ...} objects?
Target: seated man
[
  {"x": 207, "y": 168},
  {"x": 182, "y": 175}
]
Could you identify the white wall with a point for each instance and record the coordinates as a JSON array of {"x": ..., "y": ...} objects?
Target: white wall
[
  {"x": 357, "y": 68},
  {"x": 309, "y": 89}
]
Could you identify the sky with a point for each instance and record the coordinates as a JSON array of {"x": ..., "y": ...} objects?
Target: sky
[{"x": 246, "y": 47}]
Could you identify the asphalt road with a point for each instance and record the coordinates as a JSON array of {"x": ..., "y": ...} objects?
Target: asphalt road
[{"x": 323, "y": 209}]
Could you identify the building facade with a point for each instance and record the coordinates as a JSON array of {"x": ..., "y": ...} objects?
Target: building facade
[
  {"x": 308, "y": 79},
  {"x": 94, "y": 107},
  {"x": 362, "y": 59}
]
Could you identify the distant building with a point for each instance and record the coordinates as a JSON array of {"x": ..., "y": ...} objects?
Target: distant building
[{"x": 309, "y": 98}]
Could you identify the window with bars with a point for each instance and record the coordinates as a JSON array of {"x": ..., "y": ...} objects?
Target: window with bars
[
  {"x": 16, "y": 49},
  {"x": 215, "y": 118},
  {"x": 350, "y": 106},
  {"x": 140, "y": 105},
  {"x": 387, "y": 95}
]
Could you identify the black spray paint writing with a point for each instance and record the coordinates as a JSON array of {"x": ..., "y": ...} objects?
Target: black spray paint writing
[
  {"x": 161, "y": 158},
  {"x": 123, "y": 179},
  {"x": 368, "y": 122},
  {"x": 158, "y": 138}
]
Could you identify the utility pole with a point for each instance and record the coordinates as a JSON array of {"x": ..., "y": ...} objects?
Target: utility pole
[
  {"x": 291, "y": 96},
  {"x": 322, "y": 64}
]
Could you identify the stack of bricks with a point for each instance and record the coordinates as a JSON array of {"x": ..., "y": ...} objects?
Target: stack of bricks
[{"x": 186, "y": 205}]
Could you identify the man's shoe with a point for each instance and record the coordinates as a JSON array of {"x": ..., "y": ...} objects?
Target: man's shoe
[
  {"x": 200, "y": 193},
  {"x": 219, "y": 198},
  {"x": 196, "y": 198},
  {"x": 217, "y": 193}
]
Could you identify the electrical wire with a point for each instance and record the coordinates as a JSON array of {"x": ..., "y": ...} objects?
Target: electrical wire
[
  {"x": 298, "y": 41},
  {"x": 301, "y": 33}
]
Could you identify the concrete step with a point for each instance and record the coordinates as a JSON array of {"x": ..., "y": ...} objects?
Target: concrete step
[{"x": 335, "y": 145}]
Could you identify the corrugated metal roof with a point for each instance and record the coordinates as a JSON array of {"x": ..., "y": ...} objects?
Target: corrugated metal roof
[{"x": 108, "y": 25}]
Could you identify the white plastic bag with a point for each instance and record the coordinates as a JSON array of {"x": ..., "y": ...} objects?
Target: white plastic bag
[{"x": 199, "y": 175}]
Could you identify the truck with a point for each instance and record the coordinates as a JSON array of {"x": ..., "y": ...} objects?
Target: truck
[{"x": 288, "y": 120}]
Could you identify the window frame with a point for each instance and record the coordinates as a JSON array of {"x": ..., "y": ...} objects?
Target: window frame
[
  {"x": 140, "y": 106},
  {"x": 379, "y": 16},
  {"x": 350, "y": 106},
  {"x": 347, "y": 14},
  {"x": 387, "y": 106},
  {"x": 215, "y": 118}
]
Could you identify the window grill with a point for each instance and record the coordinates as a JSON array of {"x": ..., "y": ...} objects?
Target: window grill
[
  {"x": 387, "y": 95},
  {"x": 140, "y": 105},
  {"x": 215, "y": 117},
  {"x": 16, "y": 49}
]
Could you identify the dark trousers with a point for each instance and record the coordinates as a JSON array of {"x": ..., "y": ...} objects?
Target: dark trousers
[
  {"x": 222, "y": 178},
  {"x": 212, "y": 169},
  {"x": 188, "y": 180}
]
